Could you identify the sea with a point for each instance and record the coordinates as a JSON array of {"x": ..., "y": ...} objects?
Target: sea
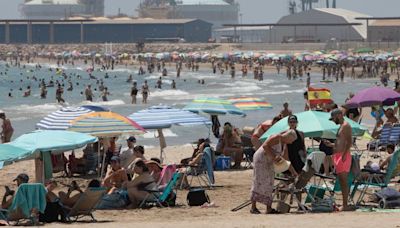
[{"x": 276, "y": 89}]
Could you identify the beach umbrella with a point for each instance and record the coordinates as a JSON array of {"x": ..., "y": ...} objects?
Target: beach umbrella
[
  {"x": 61, "y": 119},
  {"x": 373, "y": 96},
  {"x": 250, "y": 103},
  {"x": 364, "y": 50},
  {"x": 105, "y": 124},
  {"x": 213, "y": 106},
  {"x": 10, "y": 154},
  {"x": 58, "y": 141},
  {"x": 161, "y": 117},
  {"x": 45, "y": 143},
  {"x": 314, "y": 124}
]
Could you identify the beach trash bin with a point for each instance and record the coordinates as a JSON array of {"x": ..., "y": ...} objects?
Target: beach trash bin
[{"x": 223, "y": 163}]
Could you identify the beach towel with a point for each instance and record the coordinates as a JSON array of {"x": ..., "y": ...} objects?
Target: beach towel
[
  {"x": 28, "y": 197},
  {"x": 48, "y": 165},
  {"x": 209, "y": 164},
  {"x": 316, "y": 159}
]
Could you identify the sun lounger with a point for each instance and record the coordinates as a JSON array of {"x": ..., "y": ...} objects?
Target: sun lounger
[{"x": 86, "y": 204}]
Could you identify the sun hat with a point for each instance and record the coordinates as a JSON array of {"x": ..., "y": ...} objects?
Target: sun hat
[
  {"x": 153, "y": 162},
  {"x": 282, "y": 166}
]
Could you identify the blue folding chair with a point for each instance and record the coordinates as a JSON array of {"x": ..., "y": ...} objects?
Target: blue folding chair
[
  {"x": 384, "y": 138},
  {"x": 395, "y": 134}
]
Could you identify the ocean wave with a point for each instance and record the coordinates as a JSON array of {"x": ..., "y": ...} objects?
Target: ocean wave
[
  {"x": 281, "y": 92},
  {"x": 104, "y": 103},
  {"x": 153, "y": 134},
  {"x": 44, "y": 108},
  {"x": 168, "y": 93},
  {"x": 279, "y": 86}
]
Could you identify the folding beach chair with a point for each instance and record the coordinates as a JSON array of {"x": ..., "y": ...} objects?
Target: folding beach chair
[
  {"x": 383, "y": 139},
  {"x": 248, "y": 150},
  {"x": 395, "y": 134},
  {"x": 376, "y": 179},
  {"x": 28, "y": 202},
  {"x": 204, "y": 172},
  {"x": 160, "y": 197},
  {"x": 86, "y": 204}
]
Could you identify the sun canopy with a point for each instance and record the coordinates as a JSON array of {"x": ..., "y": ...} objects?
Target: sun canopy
[
  {"x": 160, "y": 117},
  {"x": 105, "y": 124},
  {"x": 314, "y": 124},
  {"x": 374, "y": 96}
]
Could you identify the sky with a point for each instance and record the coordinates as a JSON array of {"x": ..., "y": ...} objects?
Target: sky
[{"x": 253, "y": 11}]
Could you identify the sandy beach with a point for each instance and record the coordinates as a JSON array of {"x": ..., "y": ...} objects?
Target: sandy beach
[{"x": 234, "y": 190}]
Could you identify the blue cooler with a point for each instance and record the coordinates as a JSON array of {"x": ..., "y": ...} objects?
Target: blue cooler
[{"x": 223, "y": 163}]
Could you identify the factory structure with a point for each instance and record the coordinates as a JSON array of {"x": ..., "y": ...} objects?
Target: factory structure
[
  {"x": 104, "y": 30},
  {"x": 217, "y": 12},
  {"x": 61, "y": 9},
  {"x": 315, "y": 25}
]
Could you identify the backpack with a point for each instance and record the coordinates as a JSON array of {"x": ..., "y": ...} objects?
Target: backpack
[{"x": 54, "y": 212}]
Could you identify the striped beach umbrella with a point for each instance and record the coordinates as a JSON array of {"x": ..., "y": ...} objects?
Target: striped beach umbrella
[
  {"x": 250, "y": 103},
  {"x": 213, "y": 106},
  {"x": 61, "y": 119},
  {"x": 105, "y": 124},
  {"x": 160, "y": 117}
]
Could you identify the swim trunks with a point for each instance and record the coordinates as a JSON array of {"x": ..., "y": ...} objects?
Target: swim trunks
[{"x": 340, "y": 165}]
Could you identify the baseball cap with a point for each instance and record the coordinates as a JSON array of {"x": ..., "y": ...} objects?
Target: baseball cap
[
  {"x": 115, "y": 158},
  {"x": 334, "y": 113},
  {"x": 24, "y": 178},
  {"x": 131, "y": 139}
]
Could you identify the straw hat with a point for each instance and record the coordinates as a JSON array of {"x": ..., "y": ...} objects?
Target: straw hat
[{"x": 282, "y": 166}]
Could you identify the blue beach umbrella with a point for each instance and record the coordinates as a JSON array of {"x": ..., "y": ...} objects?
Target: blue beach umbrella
[
  {"x": 161, "y": 117},
  {"x": 213, "y": 106},
  {"x": 10, "y": 154},
  {"x": 53, "y": 141},
  {"x": 61, "y": 119}
]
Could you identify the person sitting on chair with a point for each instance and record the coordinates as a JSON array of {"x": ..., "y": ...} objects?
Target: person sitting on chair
[
  {"x": 22, "y": 178},
  {"x": 232, "y": 145},
  {"x": 67, "y": 200},
  {"x": 140, "y": 183},
  {"x": 116, "y": 176}
]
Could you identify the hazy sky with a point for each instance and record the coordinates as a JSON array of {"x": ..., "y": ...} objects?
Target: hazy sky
[{"x": 267, "y": 11}]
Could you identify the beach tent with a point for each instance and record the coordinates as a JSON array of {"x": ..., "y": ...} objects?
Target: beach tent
[
  {"x": 314, "y": 124},
  {"x": 162, "y": 117},
  {"x": 43, "y": 143}
]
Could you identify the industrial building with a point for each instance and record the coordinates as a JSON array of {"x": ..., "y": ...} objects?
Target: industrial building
[
  {"x": 320, "y": 33},
  {"x": 60, "y": 9},
  {"x": 217, "y": 12},
  {"x": 105, "y": 30},
  {"x": 315, "y": 25},
  {"x": 386, "y": 30}
]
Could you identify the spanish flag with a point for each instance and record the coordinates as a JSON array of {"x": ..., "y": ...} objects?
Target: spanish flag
[{"x": 317, "y": 96}]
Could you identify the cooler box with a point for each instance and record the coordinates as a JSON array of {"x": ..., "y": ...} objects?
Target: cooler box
[{"x": 223, "y": 163}]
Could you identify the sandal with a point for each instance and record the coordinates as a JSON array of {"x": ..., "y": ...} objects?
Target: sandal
[{"x": 255, "y": 211}]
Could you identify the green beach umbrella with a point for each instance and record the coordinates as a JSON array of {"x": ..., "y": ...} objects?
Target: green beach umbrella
[
  {"x": 364, "y": 50},
  {"x": 314, "y": 125}
]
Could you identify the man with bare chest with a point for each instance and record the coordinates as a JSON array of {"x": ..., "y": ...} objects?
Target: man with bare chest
[{"x": 341, "y": 156}]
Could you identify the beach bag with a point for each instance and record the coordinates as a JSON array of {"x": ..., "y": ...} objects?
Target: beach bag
[
  {"x": 323, "y": 205},
  {"x": 197, "y": 197},
  {"x": 53, "y": 213}
]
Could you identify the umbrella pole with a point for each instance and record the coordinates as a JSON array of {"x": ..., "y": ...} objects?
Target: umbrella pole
[
  {"x": 104, "y": 159},
  {"x": 98, "y": 154}
]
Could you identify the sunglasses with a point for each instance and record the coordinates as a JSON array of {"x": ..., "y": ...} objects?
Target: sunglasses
[{"x": 293, "y": 122}]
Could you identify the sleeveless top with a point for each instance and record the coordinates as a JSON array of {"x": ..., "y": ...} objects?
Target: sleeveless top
[{"x": 293, "y": 152}]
